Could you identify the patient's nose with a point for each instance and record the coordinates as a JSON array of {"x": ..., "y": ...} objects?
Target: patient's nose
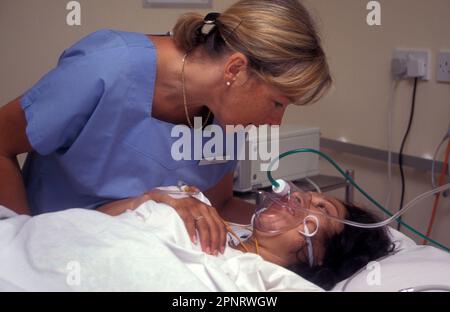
[{"x": 302, "y": 200}]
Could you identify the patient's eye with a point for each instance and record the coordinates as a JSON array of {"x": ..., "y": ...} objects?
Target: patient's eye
[{"x": 321, "y": 205}]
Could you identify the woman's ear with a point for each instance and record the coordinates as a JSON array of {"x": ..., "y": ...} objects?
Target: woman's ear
[
  {"x": 236, "y": 69},
  {"x": 309, "y": 227},
  {"x": 303, "y": 229}
]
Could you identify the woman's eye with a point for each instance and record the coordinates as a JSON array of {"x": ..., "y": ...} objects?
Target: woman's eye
[
  {"x": 278, "y": 105},
  {"x": 321, "y": 205}
]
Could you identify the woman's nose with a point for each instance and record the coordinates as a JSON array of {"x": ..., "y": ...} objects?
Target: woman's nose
[
  {"x": 275, "y": 120},
  {"x": 279, "y": 116}
]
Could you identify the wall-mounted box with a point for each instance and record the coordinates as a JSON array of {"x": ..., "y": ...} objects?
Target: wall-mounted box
[{"x": 248, "y": 175}]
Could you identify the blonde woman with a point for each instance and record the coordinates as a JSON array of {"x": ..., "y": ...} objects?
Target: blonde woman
[{"x": 98, "y": 126}]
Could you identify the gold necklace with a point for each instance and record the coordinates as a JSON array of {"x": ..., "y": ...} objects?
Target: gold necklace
[
  {"x": 183, "y": 84},
  {"x": 230, "y": 230}
]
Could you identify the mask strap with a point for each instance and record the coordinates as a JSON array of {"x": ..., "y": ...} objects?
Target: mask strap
[
  {"x": 316, "y": 221},
  {"x": 252, "y": 221},
  {"x": 310, "y": 251},
  {"x": 308, "y": 237}
]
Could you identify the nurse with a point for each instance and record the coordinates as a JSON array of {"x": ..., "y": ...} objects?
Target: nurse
[{"x": 98, "y": 126}]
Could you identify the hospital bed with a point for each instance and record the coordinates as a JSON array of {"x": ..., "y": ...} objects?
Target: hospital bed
[
  {"x": 148, "y": 249},
  {"x": 411, "y": 267}
]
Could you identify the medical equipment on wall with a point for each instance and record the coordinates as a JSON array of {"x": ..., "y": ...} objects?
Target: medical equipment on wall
[
  {"x": 248, "y": 174},
  {"x": 283, "y": 192}
]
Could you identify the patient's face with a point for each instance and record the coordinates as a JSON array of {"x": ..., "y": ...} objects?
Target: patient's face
[{"x": 282, "y": 248}]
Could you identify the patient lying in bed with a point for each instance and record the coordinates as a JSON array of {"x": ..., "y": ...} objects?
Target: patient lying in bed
[
  {"x": 336, "y": 250},
  {"x": 148, "y": 248},
  {"x": 339, "y": 257},
  {"x": 145, "y": 249}
]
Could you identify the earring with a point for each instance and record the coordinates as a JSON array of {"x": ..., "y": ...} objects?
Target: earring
[{"x": 228, "y": 83}]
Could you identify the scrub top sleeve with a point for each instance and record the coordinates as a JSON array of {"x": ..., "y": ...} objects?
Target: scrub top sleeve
[{"x": 60, "y": 104}]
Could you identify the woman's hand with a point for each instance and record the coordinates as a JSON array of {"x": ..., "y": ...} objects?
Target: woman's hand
[
  {"x": 118, "y": 207},
  {"x": 196, "y": 216}
]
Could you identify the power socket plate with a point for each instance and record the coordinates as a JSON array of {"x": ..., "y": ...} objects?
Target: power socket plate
[
  {"x": 443, "y": 67},
  {"x": 408, "y": 54}
]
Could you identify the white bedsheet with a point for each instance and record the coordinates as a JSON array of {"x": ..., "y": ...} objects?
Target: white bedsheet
[
  {"x": 143, "y": 250},
  {"x": 411, "y": 266}
]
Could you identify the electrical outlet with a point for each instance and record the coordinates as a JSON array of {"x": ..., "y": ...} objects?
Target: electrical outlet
[
  {"x": 443, "y": 67},
  {"x": 403, "y": 56}
]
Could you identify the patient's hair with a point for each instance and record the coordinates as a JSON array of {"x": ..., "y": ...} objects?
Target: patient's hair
[
  {"x": 348, "y": 251},
  {"x": 278, "y": 37}
]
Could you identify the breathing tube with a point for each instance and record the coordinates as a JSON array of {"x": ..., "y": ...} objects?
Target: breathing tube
[{"x": 280, "y": 187}]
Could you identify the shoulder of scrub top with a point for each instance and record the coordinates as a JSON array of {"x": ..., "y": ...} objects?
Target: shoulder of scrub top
[{"x": 98, "y": 41}]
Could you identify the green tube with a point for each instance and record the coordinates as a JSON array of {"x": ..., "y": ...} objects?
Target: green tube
[{"x": 352, "y": 182}]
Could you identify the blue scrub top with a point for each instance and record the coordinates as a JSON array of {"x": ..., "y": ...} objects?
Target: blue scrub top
[{"x": 90, "y": 124}]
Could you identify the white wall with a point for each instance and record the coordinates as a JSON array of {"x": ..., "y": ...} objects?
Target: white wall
[
  {"x": 34, "y": 33},
  {"x": 356, "y": 108}
]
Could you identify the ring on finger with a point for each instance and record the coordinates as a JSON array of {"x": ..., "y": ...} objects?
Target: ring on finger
[{"x": 199, "y": 218}]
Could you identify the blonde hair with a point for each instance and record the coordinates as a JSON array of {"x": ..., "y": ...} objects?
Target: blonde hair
[{"x": 278, "y": 37}]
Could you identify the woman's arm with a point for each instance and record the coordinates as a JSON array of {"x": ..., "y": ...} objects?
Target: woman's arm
[
  {"x": 229, "y": 207},
  {"x": 196, "y": 215},
  {"x": 13, "y": 141},
  {"x": 116, "y": 208}
]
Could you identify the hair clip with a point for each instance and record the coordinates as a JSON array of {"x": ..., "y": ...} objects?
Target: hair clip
[
  {"x": 211, "y": 18},
  {"x": 209, "y": 22}
]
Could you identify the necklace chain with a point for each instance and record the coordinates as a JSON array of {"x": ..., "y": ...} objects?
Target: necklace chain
[
  {"x": 183, "y": 84},
  {"x": 242, "y": 243}
]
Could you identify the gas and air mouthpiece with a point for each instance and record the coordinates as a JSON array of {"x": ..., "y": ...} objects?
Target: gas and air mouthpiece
[{"x": 282, "y": 189}]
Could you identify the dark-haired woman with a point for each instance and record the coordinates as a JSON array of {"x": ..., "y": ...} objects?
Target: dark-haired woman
[{"x": 309, "y": 243}]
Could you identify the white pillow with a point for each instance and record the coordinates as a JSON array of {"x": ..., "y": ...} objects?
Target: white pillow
[{"x": 412, "y": 266}]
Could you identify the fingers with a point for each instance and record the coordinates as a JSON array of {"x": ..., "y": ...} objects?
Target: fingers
[
  {"x": 203, "y": 226},
  {"x": 210, "y": 227},
  {"x": 217, "y": 231},
  {"x": 222, "y": 231},
  {"x": 189, "y": 222},
  {"x": 198, "y": 218}
]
